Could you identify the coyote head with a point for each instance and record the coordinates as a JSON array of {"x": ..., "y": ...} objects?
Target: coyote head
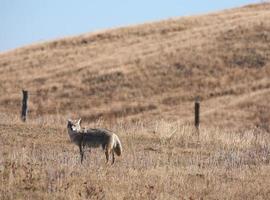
[{"x": 75, "y": 126}]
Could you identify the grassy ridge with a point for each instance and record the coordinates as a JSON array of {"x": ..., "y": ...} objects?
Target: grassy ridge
[
  {"x": 140, "y": 82},
  {"x": 147, "y": 70}
]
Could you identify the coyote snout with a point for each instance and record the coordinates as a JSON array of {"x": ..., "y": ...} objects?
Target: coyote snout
[{"x": 94, "y": 138}]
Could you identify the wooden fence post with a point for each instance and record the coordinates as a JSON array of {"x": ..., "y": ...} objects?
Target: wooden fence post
[
  {"x": 24, "y": 105},
  {"x": 197, "y": 113}
]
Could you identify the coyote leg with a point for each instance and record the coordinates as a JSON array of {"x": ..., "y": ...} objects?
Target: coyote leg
[
  {"x": 112, "y": 157},
  {"x": 107, "y": 155},
  {"x": 81, "y": 152}
]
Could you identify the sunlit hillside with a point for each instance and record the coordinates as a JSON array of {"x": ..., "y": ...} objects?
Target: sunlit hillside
[
  {"x": 151, "y": 70},
  {"x": 141, "y": 82}
]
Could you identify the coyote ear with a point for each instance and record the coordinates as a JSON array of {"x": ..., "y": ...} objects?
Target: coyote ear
[
  {"x": 69, "y": 122},
  {"x": 79, "y": 121}
]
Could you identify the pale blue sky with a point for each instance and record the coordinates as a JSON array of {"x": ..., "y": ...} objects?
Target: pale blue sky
[{"x": 26, "y": 21}]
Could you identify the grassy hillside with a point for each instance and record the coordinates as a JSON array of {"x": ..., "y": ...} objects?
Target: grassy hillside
[
  {"x": 151, "y": 70},
  {"x": 141, "y": 81}
]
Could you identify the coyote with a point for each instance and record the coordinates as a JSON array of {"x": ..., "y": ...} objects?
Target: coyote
[{"x": 82, "y": 137}]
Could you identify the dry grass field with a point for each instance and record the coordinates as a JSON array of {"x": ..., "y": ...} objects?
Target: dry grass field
[
  {"x": 141, "y": 81},
  {"x": 161, "y": 160}
]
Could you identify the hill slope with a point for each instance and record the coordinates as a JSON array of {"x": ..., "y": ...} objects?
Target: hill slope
[
  {"x": 143, "y": 72},
  {"x": 151, "y": 70}
]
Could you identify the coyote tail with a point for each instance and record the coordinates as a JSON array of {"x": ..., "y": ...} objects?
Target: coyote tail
[{"x": 117, "y": 146}]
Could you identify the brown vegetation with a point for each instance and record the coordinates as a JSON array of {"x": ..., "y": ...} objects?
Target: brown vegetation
[
  {"x": 141, "y": 82},
  {"x": 161, "y": 160},
  {"x": 152, "y": 70}
]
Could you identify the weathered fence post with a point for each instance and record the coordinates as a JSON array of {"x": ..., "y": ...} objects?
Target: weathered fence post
[
  {"x": 197, "y": 113},
  {"x": 24, "y": 105}
]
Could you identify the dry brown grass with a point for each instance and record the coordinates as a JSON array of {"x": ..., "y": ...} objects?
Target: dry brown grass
[
  {"x": 149, "y": 70},
  {"x": 141, "y": 81},
  {"x": 161, "y": 160}
]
